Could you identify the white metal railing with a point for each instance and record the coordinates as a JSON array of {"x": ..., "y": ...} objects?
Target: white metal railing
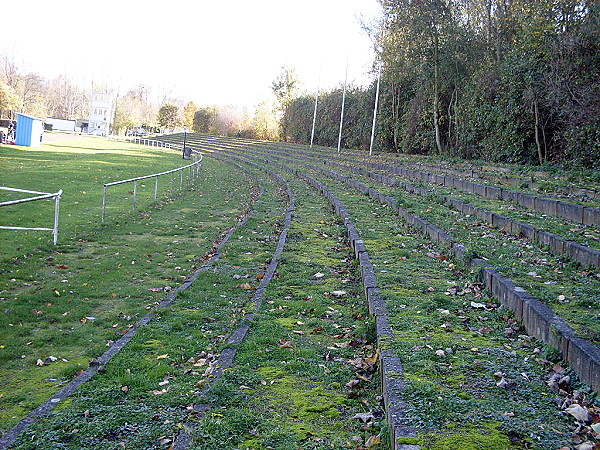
[
  {"x": 153, "y": 143},
  {"x": 39, "y": 196},
  {"x": 193, "y": 174},
  {"x": 146, "y": 141}
]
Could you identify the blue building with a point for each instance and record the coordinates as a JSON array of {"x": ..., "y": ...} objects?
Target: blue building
[{"x": 29, "y": 131}]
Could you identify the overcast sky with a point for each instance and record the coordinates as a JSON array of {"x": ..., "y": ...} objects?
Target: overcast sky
[{"x": 210, "y": 51}]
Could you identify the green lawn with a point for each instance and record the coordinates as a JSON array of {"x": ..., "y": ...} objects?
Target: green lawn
[{"x": 67, "y": 302}]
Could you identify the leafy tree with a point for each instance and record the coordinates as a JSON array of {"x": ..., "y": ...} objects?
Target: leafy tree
[
  {"x": 264, "y": 123},
  {"x": 285, "y": 87},
  {"x": 9, "y": 101},
  {"x": 134, "y": 110},
  {"x": 168, "y": 116},
  {"x": 205, "y": 120},
  {"x": 188, "y": 115}
]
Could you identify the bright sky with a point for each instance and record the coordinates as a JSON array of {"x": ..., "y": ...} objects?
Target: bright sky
[{"x": 210, "y": 51}]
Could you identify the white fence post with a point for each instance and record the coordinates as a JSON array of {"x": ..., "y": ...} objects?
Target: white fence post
[
  {"x": 39, "y": 196},
  {"x": 134, "y": 194},
  {"x": 194, "y": 166},
  {"x": 56, "y": 213},
  {"x": 104, "y": 205}
]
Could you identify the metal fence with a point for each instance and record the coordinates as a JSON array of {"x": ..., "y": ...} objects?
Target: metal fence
[
  {"x": 153, "y": 143},
  {"x": 194, "y": 171},
  {"x": 39, "y": 196}
]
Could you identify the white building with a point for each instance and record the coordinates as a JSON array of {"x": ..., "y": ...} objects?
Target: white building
[
  {"x": 60, "y": 124},
  {"x": 101, "y": 113}
]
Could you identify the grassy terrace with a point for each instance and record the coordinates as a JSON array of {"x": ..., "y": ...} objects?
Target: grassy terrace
[
  {"x": 69, "y": 302},
  {"x": 584, "y": 234},
  {"x": 571, "y": 291},
  {"x": 528, "y": 179},
  {"x": 306, "y": 376},
  {"x": 455, "y": 350}
]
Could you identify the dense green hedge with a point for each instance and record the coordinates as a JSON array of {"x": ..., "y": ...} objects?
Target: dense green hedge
[{"x": 519, "y": 84}]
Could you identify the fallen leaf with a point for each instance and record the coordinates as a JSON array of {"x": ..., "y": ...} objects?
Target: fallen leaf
[
  {"x": 364, "y": 417},
  {"x": 125, "y": 388},
  {"x": 284, "y": 344},
  {"x": 477, "y": 305},
  {"x": 580, "y": 413},
  {"x": 337, "y": 293},
  {"x": 352, "y": 383},
  {"x": 319, "y": 275},
  {"x": 161, "y": 392},
  {"x": 587, "y": 445},
  {"x": 373, "y": 441},
  {"x": 373, "y": 359},
  {"x": 162, "y": 356}
]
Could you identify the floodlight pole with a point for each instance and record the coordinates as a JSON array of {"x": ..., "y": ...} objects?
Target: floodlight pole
[
  {"x": 375, "y": 109},
  {"x": 343, "y": 103},
  {"x": 312, "y": 135}
]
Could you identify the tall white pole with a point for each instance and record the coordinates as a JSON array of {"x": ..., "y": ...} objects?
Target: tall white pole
[
  {"x": 312, "y": 135},
  {"x": 375, "y": 109},
  {"x": 343, "y": 103}
]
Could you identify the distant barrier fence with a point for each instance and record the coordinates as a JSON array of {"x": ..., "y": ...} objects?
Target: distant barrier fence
[
  {"x": 154, "y": 143},
  {"x": 148, "y": 142},
  {"x": 194, "y": 171},
  {"x": 39, "y": 196}
]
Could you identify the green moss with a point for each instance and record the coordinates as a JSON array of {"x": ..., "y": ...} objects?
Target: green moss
[
  {"x": 271, "y": 372},
  {"x": 407, "y": 440},
  {"x": 288, "y": 322},
  {"x": 310, "y": 405},
  {"x": 484, "y": 437}
]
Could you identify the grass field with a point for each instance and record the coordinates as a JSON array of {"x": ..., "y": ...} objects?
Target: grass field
[
  {"x": 306, "y": 375},
  {"x": 68, "y": 301}
]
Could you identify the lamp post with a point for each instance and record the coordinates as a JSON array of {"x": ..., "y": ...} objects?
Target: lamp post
[
  {"x": 184, "y": 137},
  {"x": 375, "y": 108}
]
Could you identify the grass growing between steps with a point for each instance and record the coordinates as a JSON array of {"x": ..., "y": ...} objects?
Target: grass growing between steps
[
  {"x": 571, "y": 290},
  {"x": 467, "y": 362},
  {"x": 139, "y": 399},
  {"x": 62, "y": 305},
  {"x": 307, "y": 367}
]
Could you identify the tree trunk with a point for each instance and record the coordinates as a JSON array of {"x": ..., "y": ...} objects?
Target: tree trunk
[
  {"x": 395, "y": 113},
  {"x": 436, "y": 118},
  {"x": 537, "y": 132}
]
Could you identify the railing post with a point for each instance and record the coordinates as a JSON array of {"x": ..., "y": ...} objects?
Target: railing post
[
  {"x": 104, "y": 205},
  {"x": 56, "y": 213},
  {"x": 134, "y": 195},
  {"x": 181, "y": 182},
  {"x": 172, "y": 182},
  {"x": 156, "y": 189}
]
